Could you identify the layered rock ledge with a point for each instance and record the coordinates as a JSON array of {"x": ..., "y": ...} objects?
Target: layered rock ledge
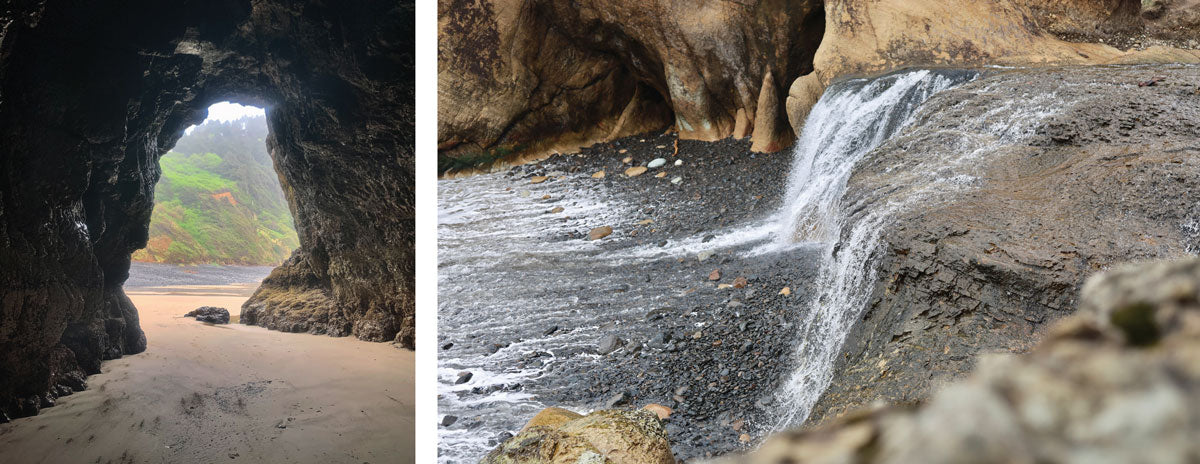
[
  {"x": 1111, "y": 177},
  {"x": 1118, "y": 382}
]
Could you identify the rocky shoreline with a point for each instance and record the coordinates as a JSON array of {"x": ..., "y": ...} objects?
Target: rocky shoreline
[
  {"x": 713, "y": 346},
  {"x": 716, "y": 352}
]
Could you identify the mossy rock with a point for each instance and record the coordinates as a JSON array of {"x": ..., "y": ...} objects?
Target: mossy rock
[
  {"x": 610, "y": 436},
  {"x": 551, "y": 417}
]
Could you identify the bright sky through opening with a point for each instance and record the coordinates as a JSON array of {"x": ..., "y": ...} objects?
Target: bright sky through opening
[{"x": 229, "y": 111}]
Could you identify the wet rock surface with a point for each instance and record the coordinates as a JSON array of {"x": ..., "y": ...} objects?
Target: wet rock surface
[
  {"x": 88, "y": 104},
  {"x": 722, "y": 184},
  {"x": 1117, "y": 382},
  {"x": 713, "y": 355},
  {"x": 1112, "y": 177},
  {"x": 1104, "y": 175},
  {"x": 210, "y": 314}
]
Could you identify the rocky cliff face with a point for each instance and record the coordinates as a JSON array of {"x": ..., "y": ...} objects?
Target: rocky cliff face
[
  {"x": 530, "y": 77},
  {"x": 1111, "y": 176},
  {"x": 1118, "y": 382},
  {"x": 92, "y": 95},
  {"x": 537, "y": 75}
]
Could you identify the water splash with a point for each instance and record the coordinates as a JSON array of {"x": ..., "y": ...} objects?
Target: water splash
[
  {"x": 851, "y": 119},
  {"x": 849, "y": 122}
]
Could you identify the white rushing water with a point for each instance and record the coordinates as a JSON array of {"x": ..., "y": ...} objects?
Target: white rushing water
[
  {"x": 851, "y": 120},
  {"x": 508, "y": 270}
]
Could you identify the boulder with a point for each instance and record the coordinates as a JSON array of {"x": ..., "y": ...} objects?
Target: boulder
[
  {"x": 609, "y": 344},
  {"x": 210, "y": 314},
  {"x": 551, "y": 417},
  {"x": 607, "y": 436}
]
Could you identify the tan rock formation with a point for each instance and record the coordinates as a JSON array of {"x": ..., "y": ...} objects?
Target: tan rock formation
[
  {"x": 864, "y": 37},
  {"x": 535, "y": 76},
  {"x": 551, "y": 417},
  {"x": 610, "y": 436},
  {"x": 517, "y": 79}
]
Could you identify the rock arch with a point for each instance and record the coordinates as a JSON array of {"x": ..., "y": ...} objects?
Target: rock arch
[{"x": 91, "y": 95}]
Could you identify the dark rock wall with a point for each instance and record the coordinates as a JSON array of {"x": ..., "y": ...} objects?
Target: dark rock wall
[
  {"x": 91, "y": 95},
  {"x": 342, "y": 140},
  {"x": 1117, "y": 382}
]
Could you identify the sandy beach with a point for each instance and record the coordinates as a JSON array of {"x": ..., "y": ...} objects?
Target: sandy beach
[{"x": 206, "y": 393}]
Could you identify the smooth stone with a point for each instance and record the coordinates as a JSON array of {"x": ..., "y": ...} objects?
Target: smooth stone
[
  {"x": 600, "y": 232},
  {"x": 609, "y": 344}
]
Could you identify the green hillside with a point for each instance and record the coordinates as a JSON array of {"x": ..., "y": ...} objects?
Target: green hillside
[{"x": 219, "y": 200}]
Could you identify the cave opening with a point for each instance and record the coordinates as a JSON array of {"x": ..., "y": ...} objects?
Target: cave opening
[
  {"x": 90, "y": 107},
  {"x": 220, "y": 219},
  {"x": 218, "y": 199}
]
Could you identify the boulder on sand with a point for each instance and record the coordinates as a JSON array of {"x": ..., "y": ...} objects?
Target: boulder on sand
[{"x": 210, "y": 314}]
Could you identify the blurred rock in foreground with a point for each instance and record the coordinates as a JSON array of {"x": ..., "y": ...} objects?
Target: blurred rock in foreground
[{"x": 1117, "y": 382}]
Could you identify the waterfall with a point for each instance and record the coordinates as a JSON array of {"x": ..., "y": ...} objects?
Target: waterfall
[{"x": 851, "y": 119}]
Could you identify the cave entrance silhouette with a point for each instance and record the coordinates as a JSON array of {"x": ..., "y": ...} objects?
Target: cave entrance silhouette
[
  {"x": 90, "y": 104},
  {"x": 218, "y": 200}
]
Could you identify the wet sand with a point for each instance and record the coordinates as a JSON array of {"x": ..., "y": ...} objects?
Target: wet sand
[{"x": 206, "y": 393}]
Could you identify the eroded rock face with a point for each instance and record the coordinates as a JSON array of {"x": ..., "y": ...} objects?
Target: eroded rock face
[
  {"x": 534, "y": 77},
  {"x": 1111, "y": 177},
  {"x": 528, "y": 76},
  {"x": 1118, "y": 382},
  {"x": 92, "y": 95}
]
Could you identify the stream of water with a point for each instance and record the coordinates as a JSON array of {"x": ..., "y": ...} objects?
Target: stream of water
[
  {"x": 499, "y": 273},
  {"x": 849, "y": 121}
]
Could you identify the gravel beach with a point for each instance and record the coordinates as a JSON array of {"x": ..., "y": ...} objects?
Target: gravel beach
[{"x": 711, "y": 338}]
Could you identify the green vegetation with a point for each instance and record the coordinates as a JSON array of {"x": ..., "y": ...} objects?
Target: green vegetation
[
  {"x": 219, "y": 200},
  {"x": 475, "y": 160}
]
